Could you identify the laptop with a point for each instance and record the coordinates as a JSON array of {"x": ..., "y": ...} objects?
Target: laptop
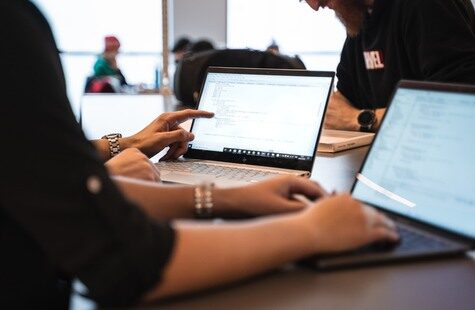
[
  {"x": 420, "y": 171},
  {"x": 267, "y": 122},
  {"x": 333, "y": 141}
]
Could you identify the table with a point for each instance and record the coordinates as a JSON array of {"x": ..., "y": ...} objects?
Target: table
[{"x": 436, "y": 284}]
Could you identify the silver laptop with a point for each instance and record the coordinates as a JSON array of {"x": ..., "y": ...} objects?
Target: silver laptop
[
  {"x": 267, "y": 122},
  {"x": 420, "y": 171}
]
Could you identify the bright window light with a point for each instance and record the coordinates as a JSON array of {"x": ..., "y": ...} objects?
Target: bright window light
[
  {"x": 82, "y": 25},
  {"x": 317, "y": 37}
]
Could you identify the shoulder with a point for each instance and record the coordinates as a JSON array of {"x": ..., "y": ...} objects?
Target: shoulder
[
  {"x": 101, "y": 63},
  {"x": 428, "y": 6},
  {"x": 100, "y": 60},
  {"x": 29, "y": 24},
  {"x": 433, "y": 12},
  {"x": 20, "y": 14}
]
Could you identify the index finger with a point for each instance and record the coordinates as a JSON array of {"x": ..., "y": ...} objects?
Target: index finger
[{"x": 178, "y": 117}]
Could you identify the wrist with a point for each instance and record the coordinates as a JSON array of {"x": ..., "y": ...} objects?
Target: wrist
[
  {"x": 379, "y": 117},
  {"x": 311, "y": 234},
  {"x": 127, "y": 143},
  {"x": 367, "y": 120},
  {"x": 113, "y": 143},
  {"x": 226, "y": 201},
  {"x": 300, "y": 224}
]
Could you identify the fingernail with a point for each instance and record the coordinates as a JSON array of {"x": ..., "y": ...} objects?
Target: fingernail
[{"x": 388, "y": 223}]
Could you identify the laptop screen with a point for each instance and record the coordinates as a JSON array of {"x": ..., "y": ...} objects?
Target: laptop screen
[
  {"x": 262, "y": 115},
  {"x": 422, "y": 162}
]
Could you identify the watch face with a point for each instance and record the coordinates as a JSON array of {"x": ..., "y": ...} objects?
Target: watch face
[{"x": 366, "y": 118}]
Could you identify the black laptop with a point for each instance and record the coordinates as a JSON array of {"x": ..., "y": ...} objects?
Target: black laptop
[{"x": 420, "y": 171}]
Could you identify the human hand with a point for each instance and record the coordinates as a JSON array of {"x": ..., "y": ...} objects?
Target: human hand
[
  {"x": 340, "y": 114},
  {"x": 340, "y": 223},
  {"x": 273, "y": 196},
  {"x": 133, "y": 163},
  {"x": 165, "y": 131}
]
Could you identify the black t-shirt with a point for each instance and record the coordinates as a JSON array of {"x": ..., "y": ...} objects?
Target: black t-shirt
[
  {"x": 61, "y": 216},
  {"x": 431, "y": 40}
]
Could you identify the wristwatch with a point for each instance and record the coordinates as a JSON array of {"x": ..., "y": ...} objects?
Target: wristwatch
[
  {"x": 114, "y": 146},
  {"x": 366, "y": 120}
]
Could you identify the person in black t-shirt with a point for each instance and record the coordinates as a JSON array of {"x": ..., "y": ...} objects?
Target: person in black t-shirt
[
  {"x": 62, "y": 217},
  {"x": 390, "y": 40}
]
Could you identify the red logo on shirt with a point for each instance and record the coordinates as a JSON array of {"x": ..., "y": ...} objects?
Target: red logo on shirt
[{"x": 374, "y": 60}]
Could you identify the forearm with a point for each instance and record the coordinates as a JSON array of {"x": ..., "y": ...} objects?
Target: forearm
[
  {"x": 206, "y": 256},
  {"x": 164, "y": 202},
  {"x": 342, "y": 115},
  {"x": 102, "y": 147}
]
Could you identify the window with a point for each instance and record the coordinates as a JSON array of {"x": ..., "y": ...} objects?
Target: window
[
  {"x": 80, "y": 26},
  {"x": 317, "y": 37}
]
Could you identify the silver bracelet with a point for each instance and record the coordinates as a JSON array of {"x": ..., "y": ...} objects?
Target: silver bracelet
[
  {"x": 113, "y": 139},
  {"x": 204, "y": 200}
]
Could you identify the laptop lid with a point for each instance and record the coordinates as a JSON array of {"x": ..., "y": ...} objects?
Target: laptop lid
[
  {"x": 422, "y": 161},
  {"x": 267, "y": 117}
]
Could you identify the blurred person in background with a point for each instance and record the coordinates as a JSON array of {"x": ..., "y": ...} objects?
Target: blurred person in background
[
  {"x": 180, "y": 48},
  {"x": 107, "y": 77}
]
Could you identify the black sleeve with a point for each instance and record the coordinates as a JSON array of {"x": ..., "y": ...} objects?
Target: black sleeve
[
  {"x": 345, "y": 71},
  {"x": 53, "y": 183},
  {"x": 440, "y": 39}
]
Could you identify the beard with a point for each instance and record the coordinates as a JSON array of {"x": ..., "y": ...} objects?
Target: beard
[{"x": 352, "y": 14}]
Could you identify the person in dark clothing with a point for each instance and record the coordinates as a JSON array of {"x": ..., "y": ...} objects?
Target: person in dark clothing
[
  {"x": 200, "y": 46},
  {"x": 180, "y": 48},
  {"x": 390, "y": 40},
  {"x": 62, "y": 216}
]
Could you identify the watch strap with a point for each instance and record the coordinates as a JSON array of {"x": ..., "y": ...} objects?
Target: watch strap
[{"x": 114, "y": 146}]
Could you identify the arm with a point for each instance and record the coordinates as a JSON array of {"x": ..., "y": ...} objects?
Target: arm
[
  {"x": 211, "y": 255},
  {"x": 164, "y": 131},
  {"x": 133, "y": 164},
  {"x": 173, "y": 201},
  {"x": 341, "y": 114}
]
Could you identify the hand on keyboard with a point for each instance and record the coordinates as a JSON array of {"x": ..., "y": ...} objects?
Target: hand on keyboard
[
  {"x": 342, "y": 224},
  {"x": 275, "y": 195}
]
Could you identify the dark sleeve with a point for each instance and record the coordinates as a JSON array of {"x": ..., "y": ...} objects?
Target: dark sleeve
[
  {"x": 346, "y": 71},
  {"x": 53, "y": 183},
  {"x": 439, "y": 37}
]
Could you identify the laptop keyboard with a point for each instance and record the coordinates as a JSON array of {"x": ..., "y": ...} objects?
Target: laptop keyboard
[
  {"x": 410, "y": 239},
  {"x": 241, "y": 174},
  {"x": 413, "y": 244}
]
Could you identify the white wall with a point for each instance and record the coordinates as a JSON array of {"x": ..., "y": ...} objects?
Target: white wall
[{"x": 199, "y": 19}]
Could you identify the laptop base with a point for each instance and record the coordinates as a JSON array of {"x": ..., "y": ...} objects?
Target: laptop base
[{"x": 415, "y": 244}]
